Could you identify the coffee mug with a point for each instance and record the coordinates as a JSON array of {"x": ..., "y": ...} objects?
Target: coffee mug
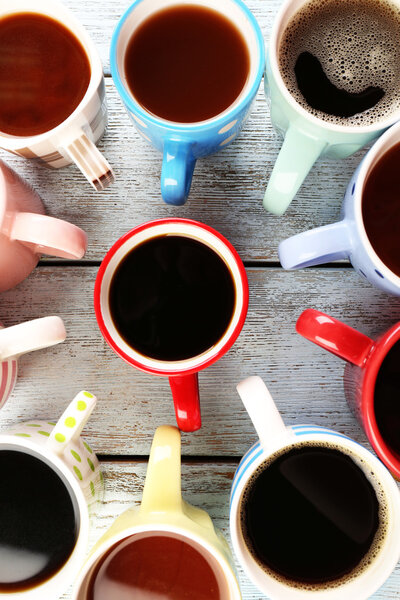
[
  {"x": 276, "y": 440},
  {"x": 60, "y": 447},
  {"x": 22, "y": 338},
  {"x": 27, "y": 233},
  {"x": 182, "y": 374},
  {"x": 163, "y": 512},
  {"x": 306, "y": 137},
  {"x": 365, "y": 358},
  {"x": 347, "y": 238},
  {"x": 73, "y": 140},
  {"x": 183, "y": 143}
]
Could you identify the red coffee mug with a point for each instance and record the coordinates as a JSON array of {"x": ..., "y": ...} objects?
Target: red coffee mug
[
  {"x": 365, "y": 357},
  {"x": 182, "y": 374}
]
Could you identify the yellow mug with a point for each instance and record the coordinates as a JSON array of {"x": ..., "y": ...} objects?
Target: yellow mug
[{"x": 163, "y": 512}]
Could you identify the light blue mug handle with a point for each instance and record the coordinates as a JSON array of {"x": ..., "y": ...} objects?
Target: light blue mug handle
[
  {"x": 299, "y": 152},
  {"x": 177, "y": 171},
  {"x": 317, "y": 246}
]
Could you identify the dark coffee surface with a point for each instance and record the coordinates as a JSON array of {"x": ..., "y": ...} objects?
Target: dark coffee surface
[
  {"x": 187, "y": 63},
  {"x": 310, "y": 516},
  {"x": 154, "y": 568},
  {"x": 356, "y": 45},
  {"x": 381, "y": 208},
  {"x": 44, "y": 74},
  {"x": 38, "y": 528},
  {"x": 172, "y": 298},
  {"x": 387, "y": 399}
]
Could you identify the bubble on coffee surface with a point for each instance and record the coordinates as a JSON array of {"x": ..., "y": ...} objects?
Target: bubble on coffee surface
[
  {"x": 376, "y": 545},
  {"x": 357, "y": 44}
]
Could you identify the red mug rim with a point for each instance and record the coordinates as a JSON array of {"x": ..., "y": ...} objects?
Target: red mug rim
[
  {"x": 372, "y": 366},
  {"x": 109, "y": 338}
]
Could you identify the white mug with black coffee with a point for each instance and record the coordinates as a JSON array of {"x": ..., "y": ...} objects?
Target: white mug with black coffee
[
  {"x": 333, "y": 79},
  {"x": 313, "y": 513}
]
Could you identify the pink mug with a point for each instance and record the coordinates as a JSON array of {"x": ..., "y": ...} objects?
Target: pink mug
[
  {"x": 26, "y": 232},
  {"x": 20, "y": 339}
]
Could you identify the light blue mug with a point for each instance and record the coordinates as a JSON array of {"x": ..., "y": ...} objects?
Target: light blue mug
[
  {"x": 183, "y": 143},
  {"x": 347, "y": 238},
  {"x": 306, "y": 137}
]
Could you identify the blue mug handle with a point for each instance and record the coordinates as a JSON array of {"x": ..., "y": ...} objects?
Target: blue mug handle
[{"x": 177, "y": 171}]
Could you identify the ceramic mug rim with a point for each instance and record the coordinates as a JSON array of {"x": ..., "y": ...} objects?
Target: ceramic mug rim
[
  {"x": 200, "y": 126},
  {"x": 278, "y": 27},
  {"x": 71, "y": 565},
  {"x": 11, "y": 142},
  {"x": 193, "y": 364},
  {"x": 155, "y": 527},
  {"x": 391, "y": 491}
]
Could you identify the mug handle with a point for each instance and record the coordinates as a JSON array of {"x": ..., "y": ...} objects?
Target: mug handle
[
  {"x": 162, "y": 488},
  {"x": 90, "y": 161},
  {"x": 316, "y": 246},
  {"x": 262, "y": 411},
  {"x": 177, "y": 171},
  {"x": 69, "y": 426},
  {"x": 185, "y": 393},
  {"x": 299, "y": 152},
  {"x": 29, "y": 336},
  {"x": 333, "y": 335},
  {"x": 48, "y": 235}
]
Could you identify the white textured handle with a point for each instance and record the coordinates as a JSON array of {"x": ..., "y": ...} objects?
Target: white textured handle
[
  {"x": 262, "y": 411},
  {"x": 32, "y": 335},
  {"x": 90, "y": 161},
  {"x": 69, "y": 426}
]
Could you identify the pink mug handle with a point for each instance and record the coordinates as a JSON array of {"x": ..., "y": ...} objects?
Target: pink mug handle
[{"x": 48, "y": 235}]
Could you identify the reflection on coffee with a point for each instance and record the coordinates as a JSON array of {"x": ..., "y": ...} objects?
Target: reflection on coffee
[
  {"x": 381, "y": 208},
  {"x": 172, "y": 298},
  {"x": 44, "y": 74},
  {"x": 386, "y": 399},
  {"x": 187, "y": 63},
  {"x": 38, "y": 525},
  {"x": 341, "y": 60},
  {"x": 154, "y": 566},
  {"x": 313, "y": 516}
]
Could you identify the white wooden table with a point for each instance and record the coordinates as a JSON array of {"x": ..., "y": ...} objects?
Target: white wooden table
[{"x": 226, "y": 194}]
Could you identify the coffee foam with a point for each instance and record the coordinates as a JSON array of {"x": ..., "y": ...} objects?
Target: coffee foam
[
  {"x": 357, "y": 44},
  {"x": 376, "y": 545}
]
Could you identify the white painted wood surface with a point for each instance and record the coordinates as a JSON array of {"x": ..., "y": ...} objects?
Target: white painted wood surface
[{"x": 226, "y": 193}]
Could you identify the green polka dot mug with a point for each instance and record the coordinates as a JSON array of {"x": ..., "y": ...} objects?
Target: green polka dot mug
[{"x": 60, "y": 447}]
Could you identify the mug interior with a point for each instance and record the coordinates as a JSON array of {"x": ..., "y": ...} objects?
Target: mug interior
[
  {"x": 220, "y": 568},
  {"x": 178, "y": 227},
  {"x": 285, "y": 14},
  {"x": 68, "y": 570},
  {"x": 58, "y": 12},
  {"x": 363, "y": 583},
  {"x": 234, "y": 10}
]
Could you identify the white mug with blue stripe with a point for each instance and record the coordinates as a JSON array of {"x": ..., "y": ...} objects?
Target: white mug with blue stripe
[
  {"x": 183, "y": 143},
  {"x": 275, "y": 439}
]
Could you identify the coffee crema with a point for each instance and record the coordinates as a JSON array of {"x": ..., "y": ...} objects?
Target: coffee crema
[
  {"x": 313, "y": 517},
  {"x": 386, "y": 399},
  {"x": 356, "y": 44},
  {"x": 154, "y": 566},
  {"x": 187, "y": 63},
  {"x": 44, "y": 73}
]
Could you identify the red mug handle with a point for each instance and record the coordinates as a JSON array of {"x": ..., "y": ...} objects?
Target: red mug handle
[
  {"x": 334, "y": 336},
  {"x": 185, "y": 392}
]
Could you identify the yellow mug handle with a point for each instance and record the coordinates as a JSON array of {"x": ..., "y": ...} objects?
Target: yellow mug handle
[{"x": 162, "y": 488}]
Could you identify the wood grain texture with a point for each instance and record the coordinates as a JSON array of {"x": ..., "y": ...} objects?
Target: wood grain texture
[
  {"x": 203, "y": 485},
  {"x": 305, "y": 381}
]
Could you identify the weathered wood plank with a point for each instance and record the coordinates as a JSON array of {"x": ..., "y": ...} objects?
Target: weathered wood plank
[
  {"x": 305, "y": 381},
  {"x": 203, "y": 485},
  {"x": 227, "y": 188}
]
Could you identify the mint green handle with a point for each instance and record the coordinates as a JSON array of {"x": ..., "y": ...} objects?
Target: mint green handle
[{"x": 299, "y": 152}]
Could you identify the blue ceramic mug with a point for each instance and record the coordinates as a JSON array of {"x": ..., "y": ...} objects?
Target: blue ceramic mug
[
  {"x": 183, "y": 143},
  {"x": 347, "y": 238}
]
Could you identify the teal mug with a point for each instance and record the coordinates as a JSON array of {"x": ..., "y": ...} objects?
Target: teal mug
[{"x": 306, "y": 136}]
